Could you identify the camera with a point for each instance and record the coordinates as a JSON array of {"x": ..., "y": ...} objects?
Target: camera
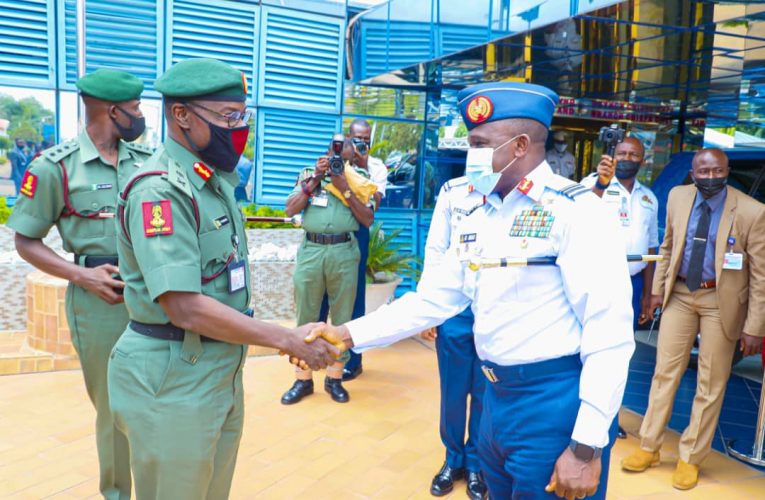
[
  {"x": 610, "y": 137},
  {"x": 336, "y": 163},
  {"x": 361, "y": 146}
]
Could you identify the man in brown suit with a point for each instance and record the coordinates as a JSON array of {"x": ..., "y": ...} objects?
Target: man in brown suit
[{"x": 712, "y": 279}]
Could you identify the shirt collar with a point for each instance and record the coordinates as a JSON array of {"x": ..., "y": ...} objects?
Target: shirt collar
[
  {"x": 714, "y": 202},
  {"x": 531, "y": 186},
  {"x": 88, "y": 151},
  {"x": 186, "y": 160}
]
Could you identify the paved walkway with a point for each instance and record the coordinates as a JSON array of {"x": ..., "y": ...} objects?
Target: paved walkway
[{"x": 383, "y": 444}]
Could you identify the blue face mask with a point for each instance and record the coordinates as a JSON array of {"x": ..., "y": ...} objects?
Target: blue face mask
[{"x": 479, "y": 170}]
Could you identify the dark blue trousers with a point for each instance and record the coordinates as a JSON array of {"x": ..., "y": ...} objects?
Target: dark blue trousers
[
  {"x": 637, "y": 293},
  {"x": 460, "y": 374},
  {"x": 362, "y": 237},
  {"x": 528, "y": 419}
]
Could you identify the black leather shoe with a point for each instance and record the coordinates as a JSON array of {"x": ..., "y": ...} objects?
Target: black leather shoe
[
  {"x": 334, "y": 386},
  {"x": 299, "y": 390},
  {"x": 621, "y": 433},
  {"x": 476, "y": 486},
  {"x": 443, "y": 483},
  {"x": 352, "y": 374}
]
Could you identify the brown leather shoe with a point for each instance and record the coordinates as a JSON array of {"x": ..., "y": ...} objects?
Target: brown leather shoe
[
  {"x": 641, "y": 460},
  {"x": 686, "y": 475}
]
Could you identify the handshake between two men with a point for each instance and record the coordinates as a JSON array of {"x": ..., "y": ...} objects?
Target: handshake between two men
[{"x": 323, "y": 345}]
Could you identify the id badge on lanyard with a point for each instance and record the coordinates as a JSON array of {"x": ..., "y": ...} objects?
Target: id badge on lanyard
[
  {"x": 732, "y": 260},
  {"x": 236, "y": 273}
]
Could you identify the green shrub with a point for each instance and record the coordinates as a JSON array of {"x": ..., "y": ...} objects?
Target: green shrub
[
  {"x": 253, "y": 210},
  {"x": 5, "y": 212},
  {"x": 386, "y": 261}
]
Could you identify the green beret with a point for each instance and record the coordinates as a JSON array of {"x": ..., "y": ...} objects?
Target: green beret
[
  {"x": 201, "y": 78},
  {"x": 110, "y": 85}
]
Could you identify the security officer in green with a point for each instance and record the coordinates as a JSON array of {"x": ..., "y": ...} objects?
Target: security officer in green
[
  {"x": 327, "y": 260},
  {"x": 75, "y": 186},
  {"x": 175, "y": 375}
]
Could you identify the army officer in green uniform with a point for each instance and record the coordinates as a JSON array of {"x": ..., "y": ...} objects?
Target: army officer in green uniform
[
  {"x": 327, "y": 260},
  {"x": 75, "y": 187},
  {"x": 175, "y": 375}
]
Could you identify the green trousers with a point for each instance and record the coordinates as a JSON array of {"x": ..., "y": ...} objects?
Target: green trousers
[
  {"x": 95, "y": 327},
  {"x": 330, "y": 268},
  {"x": 181, "y": 405}
]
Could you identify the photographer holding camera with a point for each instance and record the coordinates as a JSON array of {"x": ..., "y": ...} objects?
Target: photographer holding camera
[{"x": 335, "y": 198}]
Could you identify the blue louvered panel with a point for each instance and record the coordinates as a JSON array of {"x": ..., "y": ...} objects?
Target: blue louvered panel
[
  {"x": 406, "y": 220},
  {"x": 219, "y": 30},
  {"x": 383, "y": 51},
  {"x": 455, "y": 38},
  {"x": 26, "y": 42},
  {"x": 120, "y": 35},
  {"x": 288, "y": 141},
  {"x": 301, "y": 62}
]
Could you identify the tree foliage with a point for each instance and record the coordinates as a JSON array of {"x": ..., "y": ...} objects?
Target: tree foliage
[{"x": 26, "y": 117}]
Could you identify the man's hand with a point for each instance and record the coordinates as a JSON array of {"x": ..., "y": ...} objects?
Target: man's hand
[
  {"x": 654, "y": 303},
  {"x": 337, "y": 337},
  {"x": 606, "y": 169},
  {"x": 340, "y": 182},
  {"x": 322, "y": 166},
  {"x": 429, "y": 334},
  {"x": 99, "y": 282},
  {"x": 645, "y": 309},
  {"x": 573, "y": 478},
  {"x": 750, "y": 344},
  {"x": 313, "y": 354}
]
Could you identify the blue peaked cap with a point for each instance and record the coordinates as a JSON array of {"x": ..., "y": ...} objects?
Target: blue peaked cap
[{"x": 489, "y": 102}]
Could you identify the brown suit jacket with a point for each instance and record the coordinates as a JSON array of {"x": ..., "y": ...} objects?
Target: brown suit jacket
[{"x": 740, "y": 294}]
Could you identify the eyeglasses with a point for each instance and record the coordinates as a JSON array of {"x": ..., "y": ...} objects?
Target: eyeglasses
[{"x": 233, "y": 118}]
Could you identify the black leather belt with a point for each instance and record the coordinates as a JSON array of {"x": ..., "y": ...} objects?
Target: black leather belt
[
  {"x": 95, "y": 260},
  {"x": 164, "y": 332},
  {"x": 327, "y": 239}
]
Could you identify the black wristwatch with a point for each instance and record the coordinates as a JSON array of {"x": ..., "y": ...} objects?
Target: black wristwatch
[{"x": 584, "y": 452}]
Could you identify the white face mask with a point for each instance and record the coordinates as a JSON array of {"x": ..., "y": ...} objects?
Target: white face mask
[
  {"x": 560, "y": 146},
  {"x": 479, "y": 170}
]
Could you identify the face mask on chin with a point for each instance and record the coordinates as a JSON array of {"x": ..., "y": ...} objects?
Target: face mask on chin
[
  {"x": 225, "y": 147},
  {"x": 132, "y": 131},
  {"x": 479, "y": 170},
  {"x": 710, "y": 186}
]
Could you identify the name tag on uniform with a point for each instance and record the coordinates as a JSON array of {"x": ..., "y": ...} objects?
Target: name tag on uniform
[
  {"x": 236, "y": 276},
  {"x": 221, "y": 221},
  {"x": 98, "y": 187},
  {"x": 321, "y": 199},
  {"x": 734, "y": 261},
  {"x": 467, "y": 238}
]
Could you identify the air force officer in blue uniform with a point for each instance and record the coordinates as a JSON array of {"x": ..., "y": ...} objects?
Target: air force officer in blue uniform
[
  {"x": 554, "y": 341},
  {"x": 459, "y": 368}
]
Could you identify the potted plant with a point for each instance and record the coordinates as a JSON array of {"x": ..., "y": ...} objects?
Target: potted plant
[{"x": 386, "y": 266}]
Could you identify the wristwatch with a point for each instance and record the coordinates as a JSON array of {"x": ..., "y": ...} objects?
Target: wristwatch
[
  {"x": 584, "y": 452},
  {"x": 347, "y": 193}
]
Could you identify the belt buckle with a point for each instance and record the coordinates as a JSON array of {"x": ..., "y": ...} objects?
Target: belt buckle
[{"x": 489, "y": 372}]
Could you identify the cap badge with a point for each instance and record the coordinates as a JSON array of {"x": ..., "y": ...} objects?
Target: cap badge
[{"x": 480, "y": 109}]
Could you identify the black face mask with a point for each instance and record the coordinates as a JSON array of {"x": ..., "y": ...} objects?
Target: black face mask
[
  {"x": 132, "y": 131},
  {"x": 225, "y": 147},
  {"x": 626, "y": 169},
  {"x": 710, "y": 186}
]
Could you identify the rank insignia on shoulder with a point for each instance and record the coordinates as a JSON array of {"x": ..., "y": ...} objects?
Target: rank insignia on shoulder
[
  {"x": 28, "y": 185},
  {"x": 468, "y": 238},
  {"x": 157, "y": 218},
  {"x": 203, "y": 170}
]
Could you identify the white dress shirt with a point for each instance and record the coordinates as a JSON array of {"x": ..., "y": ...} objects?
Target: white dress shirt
[
  {"x": 561, "y": 163},
  {"x": 637, "y": 213},
  {"x": 455, "y": 202},
  {"x": 529, "y": 314},
  {"x": 378, "y": 173}
]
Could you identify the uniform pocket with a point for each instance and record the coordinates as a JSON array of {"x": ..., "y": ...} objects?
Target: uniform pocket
[
  {"x": 215, "y": 248},
  {"x": 90, "y": 202},
  {"x": 158, "y": 362}
]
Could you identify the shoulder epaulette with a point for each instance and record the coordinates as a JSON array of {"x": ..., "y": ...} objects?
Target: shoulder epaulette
[
  {"x": 573, "y": 190},
  {"x": 140, "y": 148},
  {"x": 177, "y": 177},
  {"x": 60, "y": 151},
  {"x": 457, "y": 181}
]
